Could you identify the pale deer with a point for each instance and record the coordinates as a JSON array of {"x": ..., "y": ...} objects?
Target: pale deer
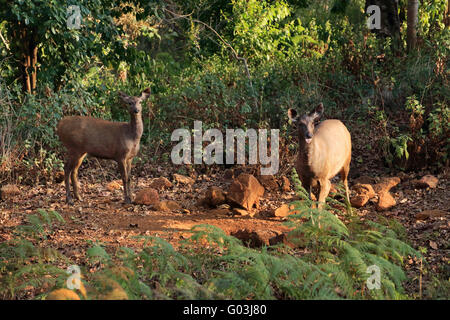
[{"x": 324, "y": 151}]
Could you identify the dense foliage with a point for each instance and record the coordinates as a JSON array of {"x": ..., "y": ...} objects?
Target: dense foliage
[{"x": 228, "y": 63}]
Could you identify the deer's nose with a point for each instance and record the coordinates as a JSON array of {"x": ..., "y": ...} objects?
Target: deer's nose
[{"x": 308, "y": 135}]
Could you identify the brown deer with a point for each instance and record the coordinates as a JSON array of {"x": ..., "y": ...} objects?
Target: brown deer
[
  {"x": 117, "y": 141},
  {"x": 324, "y": 151}
]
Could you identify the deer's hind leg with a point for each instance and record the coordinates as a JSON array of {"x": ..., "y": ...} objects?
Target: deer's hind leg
[
  {"x": 75, "y": 184},
  {"x": 344, "y": 176}
]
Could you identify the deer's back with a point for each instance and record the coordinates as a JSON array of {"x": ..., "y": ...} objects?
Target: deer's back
[{"x": 94, "y": 136}]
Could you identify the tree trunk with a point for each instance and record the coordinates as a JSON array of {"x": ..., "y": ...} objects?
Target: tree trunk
[
  {"x": 26, "y": 50},
  {"x": 390, "y": 21},
  {"x": 411, "y": 36}
]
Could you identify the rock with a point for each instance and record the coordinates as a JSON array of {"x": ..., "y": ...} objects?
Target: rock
[
  {"x": 385, "y": 201},
  {"x": 167, "y": 205},
  {"x": 245, "y": 191},
  {"x": 8, "y": 191},
  {"x": 386, "y": 184},
  {"x": 183, "y": 179},
  {"x": 147, "y": 196},
  {"x": 284, "y": 211},
  {"x": 240, "y": 212},
  {"x": 364, "y": 192},
  {"x": 285, "y": 184},
  {"x": 364, "y": 180},
  {"x": 114, "y": 185},
  {"x": 430, "y": 214},
  {"x": 214, "y": 196},
  {"x": 161, "y": 183},
  {"x": 427, "y": 181},
  {"x": 62, "y": 294},
  {"x": 255, "y": 238},
  {"x": 268, "y": 182}
]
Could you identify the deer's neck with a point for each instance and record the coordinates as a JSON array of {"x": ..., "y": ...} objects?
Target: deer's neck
[
  {"x": 305, "y": 150},
  {"x": 136, "y": 126}
]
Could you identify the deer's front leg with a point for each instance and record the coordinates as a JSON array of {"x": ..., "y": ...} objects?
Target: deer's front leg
[{"x": 124, "y": 173}]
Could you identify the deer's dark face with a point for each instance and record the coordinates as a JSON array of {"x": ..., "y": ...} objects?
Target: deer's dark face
[
  {"x": 306, "y": 123},
  {"x": 133, "y": 104}
]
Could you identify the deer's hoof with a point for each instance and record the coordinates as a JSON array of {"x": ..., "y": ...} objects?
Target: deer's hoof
[{"x": 69, "y": 202}]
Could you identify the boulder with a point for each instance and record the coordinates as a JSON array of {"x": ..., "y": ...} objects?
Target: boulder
[
  {"x": 147, "y": 196},
  {"x": 386, "y": 184},
  {"x": 161, "y": 183},
  {"x": 364, "y": 192},
  {"x": 214, "y": 196},
  {"x": 385, "y": 201},
  {"x": 245, "y": 191}
]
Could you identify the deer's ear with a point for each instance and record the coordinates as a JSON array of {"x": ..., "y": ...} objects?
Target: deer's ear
[
  {"x": 292, "y": 115},
  {"x": 318, "y": 111},
  {"x": 145, "y": 94}
]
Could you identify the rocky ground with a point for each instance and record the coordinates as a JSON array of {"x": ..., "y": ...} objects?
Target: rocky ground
[{"x": 237, "y": 200}]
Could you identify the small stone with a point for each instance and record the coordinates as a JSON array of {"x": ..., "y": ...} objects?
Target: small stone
[
  {"x": 255, "y": 238},
  {"x": 161, "y": 183},
  {"x": 240, "y": 212},
  {"x": 147, "y": 196},
  {"x": 427, "y": 181},
  {"x": 167, "y": 205},
  {"x": 183, "y": 179}
]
